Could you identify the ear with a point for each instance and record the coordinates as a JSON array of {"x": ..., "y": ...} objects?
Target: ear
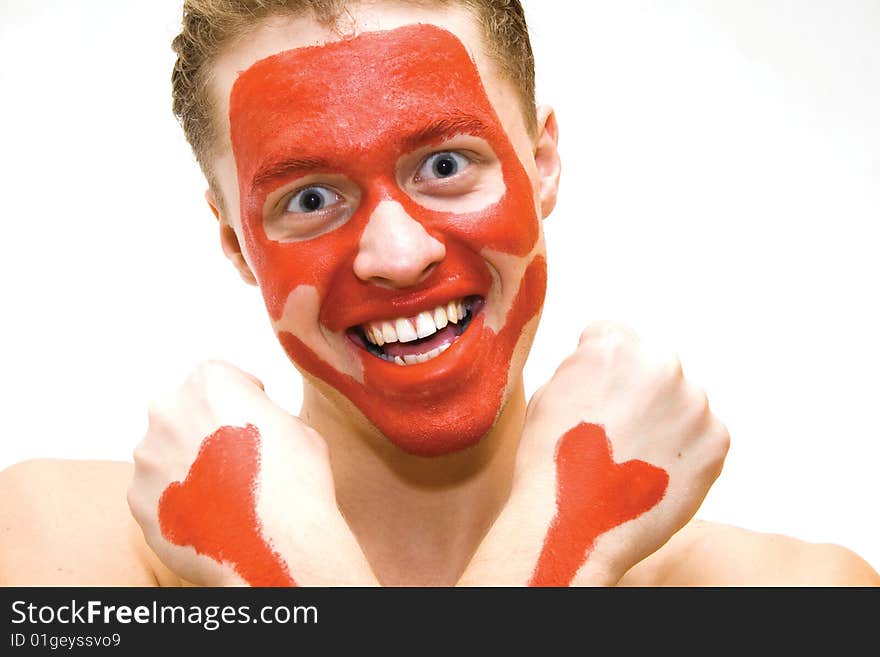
[
  {"x": 547, "y": 159},
  {"x": 229, "y": 242}
]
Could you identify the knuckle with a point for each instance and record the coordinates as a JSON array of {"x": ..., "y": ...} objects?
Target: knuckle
[
  {"x": 132, "y": 498},
  {"x": 140, "y": 453},
  {"x": 211, "y": 381},
  {"x": 144, "y": 456},
  {"x": 607, "y": 338},
  {"x": 204, "y": 371},
  {"x": 605, "y": 329},
  {"x": 668, "y": 371},
  {"x": 697, "y": 402},
  {"x": 600, "y": 350},
  {"x": 216, "y": 376},
  {"x": 207, "y": 371},
  {"x": 570, "y": 362},
  {"x": 156, "y": 411},
  {"x": 160, "y": 423},
  {"x": 699, "y": 398},
  {"x": 722, "y": 438},
  {"x": 569, "y": 366},
  {"x": 716, "y": 447},
  {"x": 214, "y": 364},
  {"x": 591, "y": 332}
]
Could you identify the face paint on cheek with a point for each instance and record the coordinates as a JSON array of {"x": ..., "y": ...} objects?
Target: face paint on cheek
[
  {"x": 593, "y": 495},
  {"x": 383, "y": 90},
  {"x": 214, "y": 509}
]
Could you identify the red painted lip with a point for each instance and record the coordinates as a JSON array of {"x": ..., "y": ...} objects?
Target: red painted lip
[
  {"x": 412, "y": 307},
  {"x": 387, "y": 304},
  {"x": 448, "y": 371},
  {"x": 352, "y": 302}
]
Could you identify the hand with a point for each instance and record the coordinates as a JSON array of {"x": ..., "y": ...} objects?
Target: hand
[
  {"x": 230, "y": 489},
  {"x": 618, "y": 451}
]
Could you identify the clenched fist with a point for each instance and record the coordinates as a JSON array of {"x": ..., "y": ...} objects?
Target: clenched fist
[
  {"x": 618, "y": 451},
  {"x": 230, "y": 489}
]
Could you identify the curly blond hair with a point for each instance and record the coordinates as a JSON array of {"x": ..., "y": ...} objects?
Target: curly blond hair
[{"x": 208, "y": 26}]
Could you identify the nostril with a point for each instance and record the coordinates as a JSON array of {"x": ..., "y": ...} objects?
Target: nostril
[
  {"x": 430, "y": 269},
  {"x": 401, "y": 275}
]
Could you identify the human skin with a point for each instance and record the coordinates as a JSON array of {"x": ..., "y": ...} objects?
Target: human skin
[
  {"x": 369, "y": 470},
  {"x": 230, "y": 490},
  {"x": 400, "y": 116},
  {"x": 418, "y": 520},
  {"x": 214, "y": 509},
  {"x": 618, "y": 452},
  {"x": 497, "y": 186},
  {"x": 369, "y": 182},
  {"x": 481, "y": 221}
]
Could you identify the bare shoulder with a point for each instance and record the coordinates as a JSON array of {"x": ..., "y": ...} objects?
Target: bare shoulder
[
  {"x": 67, "y": 523},
  {"x": 714, "y": 554}
]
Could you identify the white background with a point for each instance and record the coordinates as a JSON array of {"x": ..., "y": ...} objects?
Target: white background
[{"x": 720, "y": 193}]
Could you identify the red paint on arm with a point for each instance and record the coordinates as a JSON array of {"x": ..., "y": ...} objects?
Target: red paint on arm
[
  {"x": 214, "y": 508},
  {"x": 593, "y": 495}
]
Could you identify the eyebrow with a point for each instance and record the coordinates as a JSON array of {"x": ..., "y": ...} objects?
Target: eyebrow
[
  {"x": 288, "y": 167},
  {"x": 446, "y": 127},
  {"x": 435, "y": 131}
]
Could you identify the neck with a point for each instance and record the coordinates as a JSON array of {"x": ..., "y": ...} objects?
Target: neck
[{"x": 418, "y": 520}]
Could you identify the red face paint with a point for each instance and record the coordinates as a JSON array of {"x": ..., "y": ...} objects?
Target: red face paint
[
  {"x": 593, "y": 495},
  {"x": 358, "y": 106},
  {"x": 214, "y": 508}
]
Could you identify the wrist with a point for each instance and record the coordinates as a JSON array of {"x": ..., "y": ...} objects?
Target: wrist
[{"x": 597, "y": 572}]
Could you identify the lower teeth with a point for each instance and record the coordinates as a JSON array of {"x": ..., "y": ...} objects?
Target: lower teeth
[
  {"x": 416, "y": 359},
  {"x": 376, "y": 350}
]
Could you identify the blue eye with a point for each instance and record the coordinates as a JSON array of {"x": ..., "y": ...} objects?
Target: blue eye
[
  {"x": 442, "y": 165},
  {"x": 311, "y": 199}
]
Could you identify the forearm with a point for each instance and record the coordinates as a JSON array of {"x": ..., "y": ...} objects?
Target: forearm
[{"x": 521, "y": 550}]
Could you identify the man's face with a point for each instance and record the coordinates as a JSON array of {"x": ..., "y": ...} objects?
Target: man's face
[{"x": 391, "y": 225}]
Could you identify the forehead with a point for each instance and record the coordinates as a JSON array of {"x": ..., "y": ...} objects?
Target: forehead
[
  {"x": 281, "y": 34},
  {"x": 416, "y": 82}
]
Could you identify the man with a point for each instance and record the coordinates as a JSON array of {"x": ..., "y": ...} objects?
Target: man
[{"x": 380, "y": 170}]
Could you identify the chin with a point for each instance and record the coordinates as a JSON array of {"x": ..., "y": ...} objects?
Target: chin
[{"x": 439, "y": 433}]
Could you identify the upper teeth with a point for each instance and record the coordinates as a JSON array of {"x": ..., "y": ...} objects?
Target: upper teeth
[{"x": 407, "y": 329}]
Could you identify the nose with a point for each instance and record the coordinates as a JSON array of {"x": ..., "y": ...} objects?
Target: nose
[{"x": 395, "y": 250}]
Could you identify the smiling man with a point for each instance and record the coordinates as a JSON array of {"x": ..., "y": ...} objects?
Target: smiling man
[
  {"x": 381, "y": 172},
  {"x": 380, "y": 246}
]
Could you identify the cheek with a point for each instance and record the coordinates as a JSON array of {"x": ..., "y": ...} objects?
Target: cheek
[
  {"x": 511, "y": 288},
  {"x": 508, "y": 226},
  {"x": 303, "y": 305},
  {"x": 281, "y": 268}
]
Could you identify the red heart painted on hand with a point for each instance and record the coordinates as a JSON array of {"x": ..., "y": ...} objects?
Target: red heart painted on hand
[
  {"x": 214, "y": 508},
  {"x": 593, "y": 494}
]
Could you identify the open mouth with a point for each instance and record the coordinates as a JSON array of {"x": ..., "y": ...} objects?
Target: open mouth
[{"x": 413, "y": 340}]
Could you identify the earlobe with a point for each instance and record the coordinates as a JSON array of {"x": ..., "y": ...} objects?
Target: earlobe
[
  {"x": 230, "y": 244},
  {"x": 547, "y": 159}
]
